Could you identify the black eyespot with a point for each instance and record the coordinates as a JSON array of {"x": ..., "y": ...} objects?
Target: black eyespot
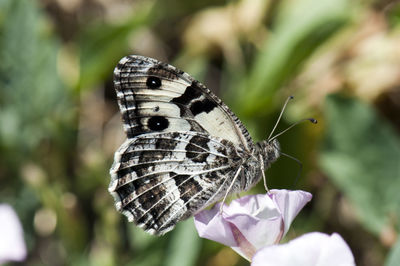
[
  {"x": 157, "y": 123},
  {"x": 153, "y": 82}
]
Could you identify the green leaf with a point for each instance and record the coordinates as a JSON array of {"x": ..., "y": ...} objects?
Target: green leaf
[
  {"x": 31, "y": 96},
  {"x": 301, "y": 27},
  {"x": 184, "y": 246},
  {"x": 361, "y": 155},
  {"x": 393, "y": 258},
  {"x": 145, "y": 249}
]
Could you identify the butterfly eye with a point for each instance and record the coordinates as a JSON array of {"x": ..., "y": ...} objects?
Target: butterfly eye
[
  {"x": 153, "y": 82},
  {"x": 157, "y": 123}
]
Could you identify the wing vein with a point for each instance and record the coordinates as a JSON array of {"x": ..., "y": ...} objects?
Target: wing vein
[
  {"x": 191, "y": 199},
  {"x": 176, "y": 188}
]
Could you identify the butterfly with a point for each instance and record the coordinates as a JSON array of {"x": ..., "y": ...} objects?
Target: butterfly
[{"x": 185, "y": 149}]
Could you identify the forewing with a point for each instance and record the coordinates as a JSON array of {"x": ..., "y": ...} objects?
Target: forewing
[
  {"x": 159, "y": 179},
  {"x": 157, "y": 97}
]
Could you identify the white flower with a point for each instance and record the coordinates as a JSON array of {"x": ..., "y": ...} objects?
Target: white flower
[
  {"x": 312, "y": 249},
  {"x": 252, "y": 222},
  {"x": 12, "y": 244}
]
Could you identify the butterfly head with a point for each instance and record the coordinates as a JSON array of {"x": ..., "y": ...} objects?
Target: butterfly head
[{"x": 269, "y": 151}]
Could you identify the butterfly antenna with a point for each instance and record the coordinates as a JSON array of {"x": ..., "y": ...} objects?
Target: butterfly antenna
[
  {"x": 312, "y": 120},
  {"x": 280, "y": 116},
  {"x": 298, "y": 162}
]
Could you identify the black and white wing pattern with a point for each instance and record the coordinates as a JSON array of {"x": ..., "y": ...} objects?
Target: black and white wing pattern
[
  {"x": 159, "y": 179},
  {"x": 157, "y": 97},
  {"x": 183, "y": 148}
]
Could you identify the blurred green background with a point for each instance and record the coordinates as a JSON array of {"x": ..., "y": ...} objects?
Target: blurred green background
[{"x": 59, "y": 120}]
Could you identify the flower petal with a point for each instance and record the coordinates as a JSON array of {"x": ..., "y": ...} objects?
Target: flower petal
[
  {"x": 289, "y": 203},
  {"x": 252, "y": 215},
  {"x": 211, "y": 225},
  {"x": 260, "y": 206},
  {"x": 257, "y": 217},
  {"x": 251, "y": 222},
  {"x": 12, "y": 245},
  {"x": 314, "y": 249}
]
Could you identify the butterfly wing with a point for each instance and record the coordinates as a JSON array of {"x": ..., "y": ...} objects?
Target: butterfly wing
[
  {"x": 157, "y": 97},
  {"x": 159, "y": 179}
]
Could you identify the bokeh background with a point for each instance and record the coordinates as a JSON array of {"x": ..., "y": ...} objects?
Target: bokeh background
[{"x": 60, "y": 126}]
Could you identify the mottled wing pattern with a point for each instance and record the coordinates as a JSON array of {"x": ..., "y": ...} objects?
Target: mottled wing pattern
[
  {"x": 157, "y": 97},
  {"x": 159, "y": 179},
  {"x": 183, "y": 149}
]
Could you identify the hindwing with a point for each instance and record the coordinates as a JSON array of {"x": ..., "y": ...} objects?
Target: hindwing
[{"x": 159, "y": 179}]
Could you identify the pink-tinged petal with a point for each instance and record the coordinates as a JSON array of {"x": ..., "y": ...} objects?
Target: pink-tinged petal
[
  {"x": 251, "y": 222},
  {"x": 290, "y": 203},
  {"x": 12, "y": 244},
  {"x": 257, "y": 217},
  {"x": 260, "y": 206},
  {"x": 211, "y": 225},
  {"x": 312, "y": 249},
  {"x": 252, "y": 215},
  {"x": 244, "y": 247}
]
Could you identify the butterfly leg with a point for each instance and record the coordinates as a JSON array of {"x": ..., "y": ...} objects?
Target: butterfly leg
[
  {"x": 230, "y": 187},
  {"x": 263, "y": 173}
]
